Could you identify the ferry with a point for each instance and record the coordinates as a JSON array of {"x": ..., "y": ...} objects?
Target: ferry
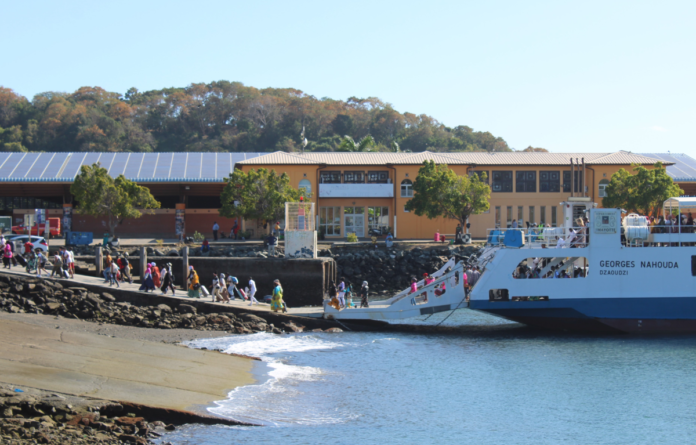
[
  {"x": 623, "y": 277},
  {"x": 607, "y": 275}
]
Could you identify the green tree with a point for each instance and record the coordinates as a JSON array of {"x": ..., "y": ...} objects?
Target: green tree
[
  {"x": 258, "y": 194},
  {"x": 644, "y": 191},
  {"x": 348, "y": 144},
  {"x": 438, "y": 191},
  {"x": 98, "y": 194}
]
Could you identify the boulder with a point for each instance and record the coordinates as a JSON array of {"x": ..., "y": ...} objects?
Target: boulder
[
  {"x": 334, "y": 330},
  {"x": 187, "y": 309},
  {"x": 252, "y": 318}
]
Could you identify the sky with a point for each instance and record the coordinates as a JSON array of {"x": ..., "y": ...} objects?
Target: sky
[{"x": 591, "y": 76}]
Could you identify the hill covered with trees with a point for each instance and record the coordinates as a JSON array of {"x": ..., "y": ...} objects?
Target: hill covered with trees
[{"x": 220, "y": 116}]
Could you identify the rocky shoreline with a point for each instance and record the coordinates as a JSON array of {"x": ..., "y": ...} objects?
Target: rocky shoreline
[
  {"x": 19, "y": 294},
  {"x": 31, "y": 416}
]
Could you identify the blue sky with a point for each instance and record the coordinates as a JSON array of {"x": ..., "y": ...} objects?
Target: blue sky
[{"x": 566, "y": 76}]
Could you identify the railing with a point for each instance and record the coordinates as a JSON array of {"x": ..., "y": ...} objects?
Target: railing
[{"x": 539, "y": 237}]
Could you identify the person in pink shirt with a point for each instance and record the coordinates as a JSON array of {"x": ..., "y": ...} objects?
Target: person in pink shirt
[
  {"x": 427, "y": 278},
  {"x": 414, "y": 285}
]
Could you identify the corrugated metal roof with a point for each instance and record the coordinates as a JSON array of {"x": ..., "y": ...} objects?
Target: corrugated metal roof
[
  {"x": 496, "y": 158},
  {"x": 683, "y": 168},
  {"x": 140, "y": 167}
]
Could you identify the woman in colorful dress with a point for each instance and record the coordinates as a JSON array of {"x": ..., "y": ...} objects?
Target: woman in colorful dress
[
  {"x": 277, "y": 303},
  {"x": 194, "y": 284},
  {"x": 156, "y": 276}
]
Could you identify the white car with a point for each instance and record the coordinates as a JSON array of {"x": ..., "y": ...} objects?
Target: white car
[{"x": 39, "y": 242}]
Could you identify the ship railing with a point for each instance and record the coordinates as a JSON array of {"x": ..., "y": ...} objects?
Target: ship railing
[
  {"x": 658, "y": 235},
  {"x": 538, "y": 237},
  {"x": 406, "y": 292}
]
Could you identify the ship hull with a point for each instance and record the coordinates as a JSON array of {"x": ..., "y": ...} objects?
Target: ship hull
[{"x": 600, "y": 315}]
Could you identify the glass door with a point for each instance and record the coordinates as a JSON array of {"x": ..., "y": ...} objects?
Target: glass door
[{"x": 354, "y": 221}]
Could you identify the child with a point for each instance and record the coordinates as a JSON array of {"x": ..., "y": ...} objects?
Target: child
[{"x": 40, "y": 263}]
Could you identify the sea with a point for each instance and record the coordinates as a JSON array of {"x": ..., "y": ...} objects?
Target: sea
[{"x": 493, "y": 382}]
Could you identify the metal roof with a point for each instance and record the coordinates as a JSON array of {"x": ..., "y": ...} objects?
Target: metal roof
[
  {"x": 139, "y": 167},
  {"x": 478, "y": 158},
  {"x": 683, "y": 168}
]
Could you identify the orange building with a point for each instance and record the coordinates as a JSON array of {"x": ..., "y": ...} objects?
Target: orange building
[{"x": 356, "y": 192}]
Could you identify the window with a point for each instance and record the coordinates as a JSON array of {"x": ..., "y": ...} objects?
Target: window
[
  {"x": 330, "y": 177},
  {"x": 525, "y": 181},
  {"x": 532, "y": 218},
  {"x": 406, "y": 211},
  {"x": 578, "y": 185},
  {"x": 330, "y": 220},
  {"x": 520, "y": 216},
  {"x": 305, "y": 184},
  {"x": 502, "y": 181},
  {"x": 406, "y": 188},
  {"x": 554, "y": 217},
  {"x": 482, "y": 175},
  {"x": 378, "y": 177},
  {"x": 497, "y": 216},
  {"x": 377, "y": 217},
  {"x": 353, "y": 177},
  {"x": 550, "y": 181},
  {"x": 603, "y": 188},
  {"x": 542, "y": 215},
  {"x": 509, "y": 216}
]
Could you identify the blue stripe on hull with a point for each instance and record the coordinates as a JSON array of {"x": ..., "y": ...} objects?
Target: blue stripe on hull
[
  {"x": 668, "y": 314},
  {"x": 639, "y": 308}
]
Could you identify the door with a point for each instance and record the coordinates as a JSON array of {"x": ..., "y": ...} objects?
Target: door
[{"x": 354, "y": 221}]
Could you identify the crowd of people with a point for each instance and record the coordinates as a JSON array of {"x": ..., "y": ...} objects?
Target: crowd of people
[
  {"x": 341, "y": 295},
  {"x": 538, "y": 270}
]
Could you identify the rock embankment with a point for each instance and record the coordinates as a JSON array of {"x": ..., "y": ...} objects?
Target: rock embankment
[
  {"x": 391, "y": 270},
  {"x": 26, "y": 295},
  {"x": 34, "y": 416}
]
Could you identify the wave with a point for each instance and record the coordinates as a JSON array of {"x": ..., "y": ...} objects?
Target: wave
[{"x": 287, "y": 397}]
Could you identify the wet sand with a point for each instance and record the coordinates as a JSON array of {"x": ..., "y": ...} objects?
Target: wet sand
[{"x": 117, "y": 363}]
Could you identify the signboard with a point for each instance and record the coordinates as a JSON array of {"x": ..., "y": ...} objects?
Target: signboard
[
  {"x": 67, "y": 218},
  {"x": 40, "y": 216},
  {"x": 605, "y": 222},
  {"x": 180, "y": 224}
]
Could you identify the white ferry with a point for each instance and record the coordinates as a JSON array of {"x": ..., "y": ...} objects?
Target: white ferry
[{"x": 606, "y": 277}]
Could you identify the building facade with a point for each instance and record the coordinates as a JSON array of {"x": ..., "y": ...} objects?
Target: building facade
[{"x": 353, "y": 192}]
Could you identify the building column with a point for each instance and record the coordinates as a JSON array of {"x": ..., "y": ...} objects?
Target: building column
[{"x": 180, "y": 221}]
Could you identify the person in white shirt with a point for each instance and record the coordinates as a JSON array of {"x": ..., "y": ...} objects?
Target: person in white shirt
[
  {"x": 560, "y": 244},
  {"x": 215, "y": 231},
  {"x": 571, "y": 237},
  {"x": 252, "y": 291}
]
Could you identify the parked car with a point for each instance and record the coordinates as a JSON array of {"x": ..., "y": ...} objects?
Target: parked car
[
  {"x": 39, "y": 242},
  {"x": 53, "y": 228}
]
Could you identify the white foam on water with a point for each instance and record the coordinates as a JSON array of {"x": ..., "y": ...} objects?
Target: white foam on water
[{"x": 281, "y": 400}]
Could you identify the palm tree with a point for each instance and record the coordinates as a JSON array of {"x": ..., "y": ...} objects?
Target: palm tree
[{"x": 348, "y": 144}]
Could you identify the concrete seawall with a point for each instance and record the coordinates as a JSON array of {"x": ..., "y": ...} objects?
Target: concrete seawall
[{"x": 307, "y": 280}]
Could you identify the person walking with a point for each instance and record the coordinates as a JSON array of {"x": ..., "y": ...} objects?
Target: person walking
[
  {"x": 57, "y": 265},
  {"x": 113, "y": 274},
  {"x": 215, "y": 289},
  {"x": 126, "y": 269},
  {"x": 235, "y": 229},
  {"x": 216, "y": 227},
  {"x": 148, "y": 283},
  {"x": 40, "y": 263},
  {"x": 364, "y": 290},
  {"x": 342, "y": 292},
  {"x": 194, "y": 284},
  {"x": 71, "y": 262},
  {"x": 277, "y": 303},
  {"x": 252, "y": 292},
  {"x": 7, "y": 256},
  {"x": 156, "y": 276},
  {"x": 107, "y": 268},
  {"x": 168, "y": 279},
  {"x": 223, "y": 289}
]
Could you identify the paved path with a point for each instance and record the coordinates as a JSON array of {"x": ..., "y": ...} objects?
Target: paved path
[{"x": 314, "y": 312}]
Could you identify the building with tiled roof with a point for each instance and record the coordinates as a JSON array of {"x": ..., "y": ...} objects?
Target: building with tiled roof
[
  {"x": 353, "y": 192},
  {"x": 357, "y": 191}
]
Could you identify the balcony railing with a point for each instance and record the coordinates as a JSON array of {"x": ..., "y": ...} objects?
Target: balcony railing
[{"x": 356, "y": 190}]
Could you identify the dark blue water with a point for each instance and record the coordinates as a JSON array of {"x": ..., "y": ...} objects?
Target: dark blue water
[{"x": 494, "y": 383}]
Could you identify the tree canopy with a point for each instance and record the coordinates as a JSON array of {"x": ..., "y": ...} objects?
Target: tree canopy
[
  {"x": 643, "y": 192},
  {"x": 258, "y": 194},
  {"x": 438, "y": 191},
  {"x": 219, "y": 116},
  {"x": 98, "y": 194}
]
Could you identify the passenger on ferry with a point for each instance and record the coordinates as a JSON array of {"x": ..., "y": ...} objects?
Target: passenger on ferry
[
  {"x": 414, "y": 286},
  {"x": 514, "y": 223},
  {"x": 469, "y": 273},
  {"x": 440, "y": 289},
  {"x": 561, "y": 243},
  {"x": 475, "y": 276},
  {"x": 427, "y": 279}
]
